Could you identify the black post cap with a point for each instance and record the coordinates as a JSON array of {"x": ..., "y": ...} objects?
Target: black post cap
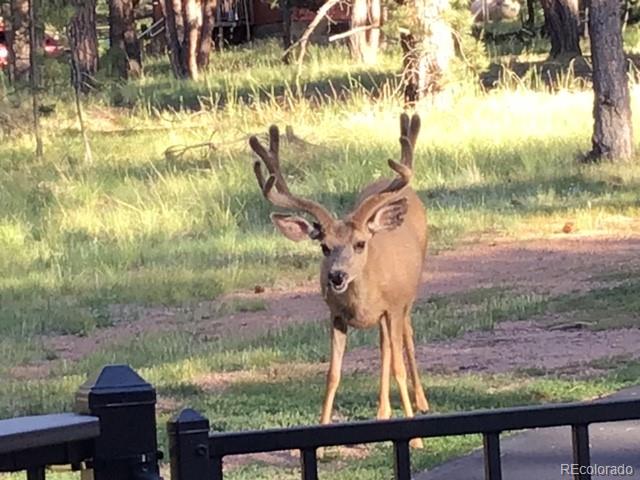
[
  {"x": 114, "y": 384},
  {"x": 188, "y": 420},
  {"x": 189, "y": 446},
  {"x": 127, "y": 448}
]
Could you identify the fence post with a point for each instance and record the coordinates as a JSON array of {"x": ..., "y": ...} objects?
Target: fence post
[
  {"x": 127, "y": 447},
  {"x": 189, "y": 447}
]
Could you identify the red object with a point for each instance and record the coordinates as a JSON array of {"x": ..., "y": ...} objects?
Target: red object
[
  {"x": 4, "y": 56},
  {"x": 337, "y": 13},
  {"x": 4, "y": 51},
  {"x": 52, "y": 47}
]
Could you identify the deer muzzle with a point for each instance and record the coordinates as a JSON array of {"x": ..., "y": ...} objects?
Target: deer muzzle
[{"x": 338, "y": 281}]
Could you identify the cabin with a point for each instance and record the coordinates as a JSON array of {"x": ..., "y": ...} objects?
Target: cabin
[{"x": 242, "y": 20}]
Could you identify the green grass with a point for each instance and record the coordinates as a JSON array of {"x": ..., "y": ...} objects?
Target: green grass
[
  {"x": 605, "y": 307},
  {"x": 437, "y": 318},
  {"x": 136, "y": 227},
  {"x": 276, "y": 381},
  {"x": 480, "y": 309},
  {"x": 84, "y": 246},
  {"x": 255, "y": 75}
]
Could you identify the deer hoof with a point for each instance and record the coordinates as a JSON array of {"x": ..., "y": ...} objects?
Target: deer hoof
[
  {"x": 422, "y": 405},
  {"x": 321, "y": 453},
  {"x": 416, "y": 443},
  {"x": 384, "y": 414}
]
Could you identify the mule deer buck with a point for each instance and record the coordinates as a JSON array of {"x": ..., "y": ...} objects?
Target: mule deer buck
[{"x": 372, "y": 263}]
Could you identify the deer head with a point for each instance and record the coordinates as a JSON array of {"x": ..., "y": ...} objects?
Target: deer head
[{"x": 344, "y": 242}]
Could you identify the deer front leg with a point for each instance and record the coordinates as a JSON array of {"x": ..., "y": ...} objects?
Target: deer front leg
[
  {"x": 396, "y": 330},
  {"x": 422, "y": 404},
  {"x": 384, "y": 405},
  {"x": 338, "y": 344}
]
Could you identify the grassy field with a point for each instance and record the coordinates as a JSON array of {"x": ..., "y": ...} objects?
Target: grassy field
[
  {"x": 277, "y": 380},
  {"x": 141, "y": 224},
  {"x": 147, "y": 224}
]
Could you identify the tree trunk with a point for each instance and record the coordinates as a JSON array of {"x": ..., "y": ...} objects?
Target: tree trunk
[
  {"x": 206, "y": 36},
  {"x": 612, "y": 134},
  {"x": 174, "y": 28},
  {"x": 531, "y": 14},
  {"x": 158, "y": 43},
  {"x": 18, "y": 41},
  {"x": 83, "y": 41},
  {"x": 562, "y": 22},
  {"x": 187, "y": 24},
  {"x": 373, "y": 35},
  {"x": 123, "y": 39},
  {"x": 427, "y": 51},
  {"x": 359, "y": 19},
  {"x": 365, "y": 43},
  {"x": 286, "y": 29},
  {"x": 583, "y": 28},
  {"x": 35, "y": 53},
  {"x": 193, "y": 25}
]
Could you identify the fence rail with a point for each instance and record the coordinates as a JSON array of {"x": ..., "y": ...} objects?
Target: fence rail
[
  {"x": 490, "y": 423},
  {"x": 31, "y": 443},
  {"x": 112, "y": 435}
]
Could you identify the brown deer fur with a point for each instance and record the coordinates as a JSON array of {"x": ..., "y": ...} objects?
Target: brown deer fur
[{"x": 372, "y": 265}]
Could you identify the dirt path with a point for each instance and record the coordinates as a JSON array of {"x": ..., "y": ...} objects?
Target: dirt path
[
  {"x": 513, "y": 346},
  {"x": 550, "y": 266}
]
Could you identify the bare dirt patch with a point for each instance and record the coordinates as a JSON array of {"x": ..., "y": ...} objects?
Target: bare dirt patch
[
  {"x": 552, "y": 266},
  {"x": 133, "y": 322},
  {"x": 549, "y": 266},
  {"x": 513, "y": 346}
]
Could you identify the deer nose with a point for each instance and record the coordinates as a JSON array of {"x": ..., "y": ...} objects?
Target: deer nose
[{"x": 337, "y": 278}]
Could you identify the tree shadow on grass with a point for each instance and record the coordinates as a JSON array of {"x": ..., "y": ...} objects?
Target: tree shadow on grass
[
  {"x": 166, "y": 94},
  {"x": 551, "y": 73}
]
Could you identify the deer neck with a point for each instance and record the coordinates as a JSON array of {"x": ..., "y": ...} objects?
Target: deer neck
[{"x": 354, "y": 305}]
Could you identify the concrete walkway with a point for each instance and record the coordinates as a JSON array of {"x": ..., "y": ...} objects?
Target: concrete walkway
[{"x": 539, "y": 454}]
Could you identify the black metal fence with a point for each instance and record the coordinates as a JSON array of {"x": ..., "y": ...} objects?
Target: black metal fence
[
  {"x": 196, "y": 453},
  {"x": 112, "y": 435}
]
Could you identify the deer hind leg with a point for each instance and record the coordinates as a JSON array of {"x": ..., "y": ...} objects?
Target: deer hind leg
[
  {"x": 422, "y": 405},
  {"x": 338, "y": 344},
  {"x": 384, "y": 405},
  {"x": 396, "y": 330}
]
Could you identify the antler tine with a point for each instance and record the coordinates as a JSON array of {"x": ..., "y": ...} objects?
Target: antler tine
[
  {"x": 257, "y": 170},
  {"x": 274, "y": 150},
  {"x": 275, "y": 188},
  {"x": 409, "y": 130},
  {"x": 404, "y": 124},
  {"x": 370, "y": 204},
  {"x": 274, "y": 142},
  {"x": 406, "y": 152},
  {"x": 414, "y": 129},
  {"x": 404, "y": 176},
  {"x": 271, "y": 157}
]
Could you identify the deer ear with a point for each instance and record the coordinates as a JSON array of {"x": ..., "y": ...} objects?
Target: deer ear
[
  {"x": 389, "y": 216},
  {"x": 294, "y": 228}
]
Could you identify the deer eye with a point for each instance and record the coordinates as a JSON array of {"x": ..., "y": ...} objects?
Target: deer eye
[
  {"x": 325, "y": 250},
  {"x": 359, "y": 247}
]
